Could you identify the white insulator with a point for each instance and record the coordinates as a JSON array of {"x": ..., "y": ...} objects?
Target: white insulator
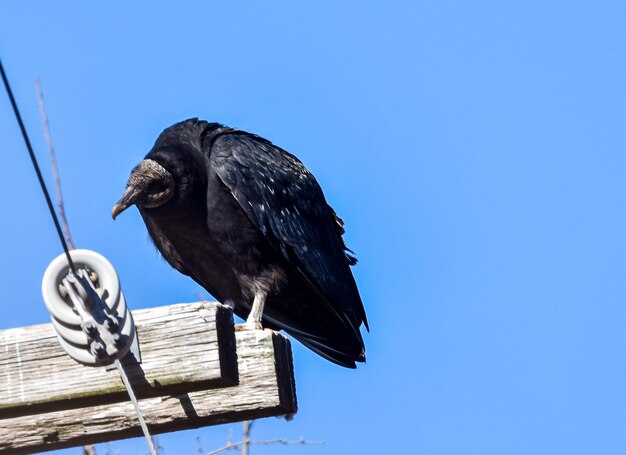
[
  {"x": 58, "y": 270},
  {"x": 68, "y": 322}
]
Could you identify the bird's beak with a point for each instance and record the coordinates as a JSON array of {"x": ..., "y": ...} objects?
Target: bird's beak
[{"x": 126, "y": 201}]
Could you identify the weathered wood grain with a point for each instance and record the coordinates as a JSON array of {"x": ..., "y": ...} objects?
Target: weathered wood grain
[
  {"x": 183, "y": 347},
  {"x": 266, "y": 388}
]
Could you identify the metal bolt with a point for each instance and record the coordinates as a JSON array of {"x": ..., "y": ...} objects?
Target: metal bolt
[
  {"x": 63, "y": 291},
  {"x": 89, "y": 328},
  {"x": 111, "y": 324},
  {"x": 117, "y": 339},
  {"x": 97, "y": 349},
  {"x": 93, "y": 276}
]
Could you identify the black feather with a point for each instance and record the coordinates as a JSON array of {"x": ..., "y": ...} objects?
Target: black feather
[{"x": 247, "y": 214}]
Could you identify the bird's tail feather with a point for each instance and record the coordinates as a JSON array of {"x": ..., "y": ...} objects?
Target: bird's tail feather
[
  {"x": 340, "y": 358},
  {"x": 346, "y": 356}
]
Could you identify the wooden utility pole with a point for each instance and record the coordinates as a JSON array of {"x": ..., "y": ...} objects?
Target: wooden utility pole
[{"x": 197, "y": 369}]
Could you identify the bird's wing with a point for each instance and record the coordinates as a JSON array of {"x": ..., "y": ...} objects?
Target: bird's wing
[{"x": 285, "y": 202}]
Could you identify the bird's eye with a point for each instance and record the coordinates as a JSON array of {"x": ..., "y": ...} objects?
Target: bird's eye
[{"x": 158, "y": 187}]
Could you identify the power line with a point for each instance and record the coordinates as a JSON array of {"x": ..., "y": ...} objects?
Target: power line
[
  {"x": 53, "y": 213},
  {"x": 37, "y": 170}
]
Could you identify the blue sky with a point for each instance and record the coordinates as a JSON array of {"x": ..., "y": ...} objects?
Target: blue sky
[{"x": 476, "y": 151}]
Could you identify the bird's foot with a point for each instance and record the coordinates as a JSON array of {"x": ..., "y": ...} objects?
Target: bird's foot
[
  {"x": 252, "y": 325},
  {"x": 256, "y": 312}
]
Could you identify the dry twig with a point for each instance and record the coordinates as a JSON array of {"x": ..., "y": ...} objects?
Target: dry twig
[
  {"x": 247, "y": 426},
  {"x": 265, "y": 442},
  {"x": 246, "y": 442},
  {"x": 55, "y": 171}
]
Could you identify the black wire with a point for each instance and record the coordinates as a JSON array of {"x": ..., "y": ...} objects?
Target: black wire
[{"x": 37, "y": 170}]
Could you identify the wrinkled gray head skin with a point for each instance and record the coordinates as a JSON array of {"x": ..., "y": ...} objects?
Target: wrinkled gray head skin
[{"x": 149, "y": 185}]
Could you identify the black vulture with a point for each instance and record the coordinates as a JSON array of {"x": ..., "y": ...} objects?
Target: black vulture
[{"x": 249, "y": 223}]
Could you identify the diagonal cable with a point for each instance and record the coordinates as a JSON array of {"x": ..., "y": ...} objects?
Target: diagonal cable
[
  {"x": 133, "y": 398},
  {"x": 33, "y": 159},
  {"x": 36, "y": 166}
]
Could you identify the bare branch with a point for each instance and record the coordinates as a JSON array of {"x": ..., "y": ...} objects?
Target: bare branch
[
  {"x": 227, "y": 447},
  {"x": 247, "y": 425},
  {"x": 245, "y": 444},
  {"x": 55, "y": 171},
  {"x": 282, "y": 441},
  {"x": 231, "y": 431}
]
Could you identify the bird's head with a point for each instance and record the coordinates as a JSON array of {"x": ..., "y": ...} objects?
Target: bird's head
[
  {"x": 150, "y": 185},
  {"x": 171, "y": 180}
]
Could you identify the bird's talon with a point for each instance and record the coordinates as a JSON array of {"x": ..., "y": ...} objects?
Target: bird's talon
[{"x": 254, "y": 325}]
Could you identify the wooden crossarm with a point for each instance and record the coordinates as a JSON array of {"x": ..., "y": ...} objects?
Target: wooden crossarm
[{"x": 196, "y": 370}]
